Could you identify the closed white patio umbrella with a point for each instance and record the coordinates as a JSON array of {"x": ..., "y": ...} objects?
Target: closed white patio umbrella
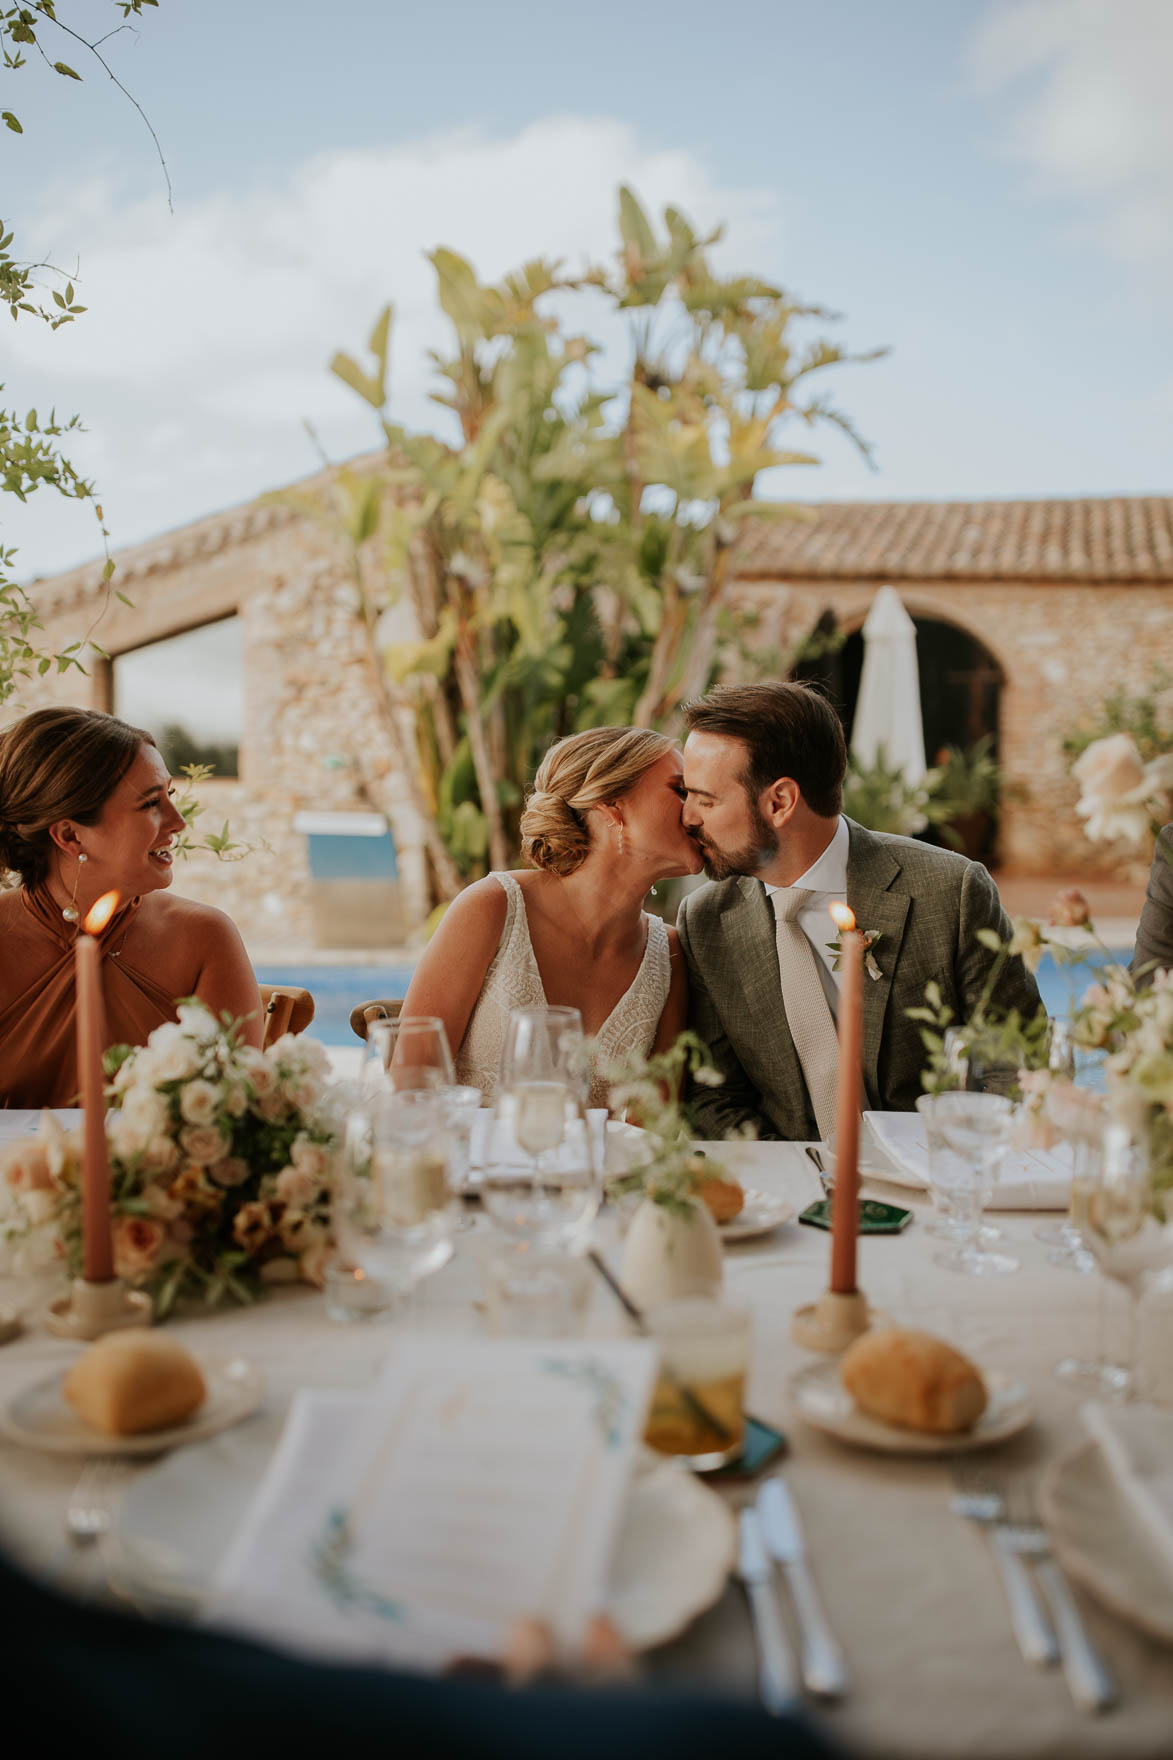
[{"x": 887, "y": 712}]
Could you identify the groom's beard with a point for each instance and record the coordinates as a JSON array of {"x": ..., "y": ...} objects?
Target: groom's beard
[{"x": 722, "y": 864}]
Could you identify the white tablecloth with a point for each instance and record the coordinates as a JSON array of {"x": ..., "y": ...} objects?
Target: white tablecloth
[{"x": 911, "y": 1590}]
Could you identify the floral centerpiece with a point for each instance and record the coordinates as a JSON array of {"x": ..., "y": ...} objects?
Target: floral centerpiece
[
  {"x": 650, "y": 1090},
  {"x": 221, "y": 1159}
]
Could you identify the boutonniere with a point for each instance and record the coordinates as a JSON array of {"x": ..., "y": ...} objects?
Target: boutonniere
[{"x": 870, "y": 964}]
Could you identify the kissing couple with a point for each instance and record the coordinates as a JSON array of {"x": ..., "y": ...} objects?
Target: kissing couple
[{"x": 755, "y": 798}]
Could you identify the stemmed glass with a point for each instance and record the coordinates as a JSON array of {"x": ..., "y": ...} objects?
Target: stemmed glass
[
  {"x": 393, "y": 1208},
  {"x": 545, "y": 1044},
  {"x": 1070, "y": 1254},
  {"x": 1119, "y": 1226},
  {"x": 967, "y": 1138},
  {"x": 540, "y": 1182},
  {"x": 409, "y": 1053}
]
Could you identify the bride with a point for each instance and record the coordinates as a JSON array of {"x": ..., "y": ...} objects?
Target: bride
[{"x": 601, "y": 826}]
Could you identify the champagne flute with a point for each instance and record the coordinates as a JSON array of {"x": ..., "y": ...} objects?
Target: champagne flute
[
  {"x": 1124, "y": 1234},
  {"x": 541, "y": 1185},
  {"x": 546, "y": 1044}
]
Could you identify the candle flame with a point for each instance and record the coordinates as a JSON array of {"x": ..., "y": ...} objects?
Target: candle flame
[
  {"x": 101, "y": 913},
  {"x": 843, "y": 916}
]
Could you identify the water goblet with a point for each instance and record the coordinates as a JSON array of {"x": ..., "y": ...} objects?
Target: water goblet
[
  {"x": 968, "y": 1140},
  {"x": 410, "y": 1052},
  {"x": 541, "y": 1184},
  {"x": 949, "y": 1224},
  {"x": 393, "y": 1209}
]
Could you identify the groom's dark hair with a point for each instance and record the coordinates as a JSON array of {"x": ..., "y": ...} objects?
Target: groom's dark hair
[{"x": 787, "y": 730}]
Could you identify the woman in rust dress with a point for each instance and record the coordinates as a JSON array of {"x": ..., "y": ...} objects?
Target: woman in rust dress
[{"x": 86, "y": 808}]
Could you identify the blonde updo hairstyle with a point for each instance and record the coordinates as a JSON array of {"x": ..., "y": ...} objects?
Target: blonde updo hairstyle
[{"x": 584, "y": 770}]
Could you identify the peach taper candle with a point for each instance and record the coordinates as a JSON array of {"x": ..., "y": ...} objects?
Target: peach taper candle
[
  {"x": 98, "y": 1250},
  {"x": 845, "y": 1199}
]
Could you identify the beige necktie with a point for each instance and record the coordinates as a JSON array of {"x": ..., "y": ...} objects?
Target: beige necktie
[{"x": 807, "y": 1013}]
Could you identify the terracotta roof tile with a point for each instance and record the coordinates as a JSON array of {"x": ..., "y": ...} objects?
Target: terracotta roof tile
[{"x": 1121, "y": 539}]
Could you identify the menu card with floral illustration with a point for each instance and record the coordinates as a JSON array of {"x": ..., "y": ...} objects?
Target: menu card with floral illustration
[{"x": 480, "y": 1481}]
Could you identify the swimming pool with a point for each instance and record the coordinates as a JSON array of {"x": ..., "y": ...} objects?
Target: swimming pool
[{"x": 336, "y": 989}]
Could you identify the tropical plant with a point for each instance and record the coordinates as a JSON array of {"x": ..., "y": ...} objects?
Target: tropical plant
[
  {"x": 964, "y": 781},
  {"x": 565, "y": 556}
]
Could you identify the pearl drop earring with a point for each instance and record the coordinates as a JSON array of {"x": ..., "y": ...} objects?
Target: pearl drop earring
[{"x": 71, "y": 912}]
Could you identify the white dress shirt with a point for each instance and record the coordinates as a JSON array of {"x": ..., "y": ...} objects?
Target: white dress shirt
[{"x": 826, "y": 880}]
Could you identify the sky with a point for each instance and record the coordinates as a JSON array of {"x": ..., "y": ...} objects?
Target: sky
[{"x": 982, "y": 187}]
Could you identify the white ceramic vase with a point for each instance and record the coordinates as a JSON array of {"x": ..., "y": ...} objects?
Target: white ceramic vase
[{"x": 667, "y": 1256}]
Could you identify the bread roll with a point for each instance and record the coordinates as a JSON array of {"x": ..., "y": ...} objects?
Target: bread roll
[
  {"x": 724, "y": 1197},
  {"x": 913, "y": 1379},
  {"x": 132, "y": 1381}
]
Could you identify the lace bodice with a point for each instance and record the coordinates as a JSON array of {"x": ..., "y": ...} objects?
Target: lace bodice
[{"x": 513, "y": 981}]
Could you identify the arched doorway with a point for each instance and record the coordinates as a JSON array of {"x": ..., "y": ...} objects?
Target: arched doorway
[{"x": 960, "y": 694}]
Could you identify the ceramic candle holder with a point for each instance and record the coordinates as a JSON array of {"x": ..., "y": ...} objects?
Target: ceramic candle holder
[
  {"x": 831, "y": 1323},
  {"x": 90, "y": 1309}
]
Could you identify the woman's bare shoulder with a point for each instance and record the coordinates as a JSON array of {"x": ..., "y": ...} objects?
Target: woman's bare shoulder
[{"x": 172, "y": 912}]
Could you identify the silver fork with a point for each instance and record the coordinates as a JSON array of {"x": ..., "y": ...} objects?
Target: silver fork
[
  {"x": 978, "y": 1499},
  {"x": 1091, "y": 1686}
]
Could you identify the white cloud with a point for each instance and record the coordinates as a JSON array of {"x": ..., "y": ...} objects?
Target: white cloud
[
  {"x": 207, "y": 336},
  {"x": 1094, "y": 118}
]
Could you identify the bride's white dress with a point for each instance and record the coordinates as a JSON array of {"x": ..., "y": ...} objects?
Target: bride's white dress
[{"x": 513, "y": 981}]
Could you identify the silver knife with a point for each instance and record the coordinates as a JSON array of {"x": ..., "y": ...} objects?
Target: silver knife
[
  {"x": 823, "y": 1671},
  {"x": 776, "y": 1683}
]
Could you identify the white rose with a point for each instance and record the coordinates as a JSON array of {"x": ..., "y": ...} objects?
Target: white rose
[
  {"x": 145, "y": 1111},
  {"x": 203, "y": 1143},
  {"x": 199, "y": 1102},
  {"x": 39, "y": 1205},
  {"x": 161, "y": 1155},
  {"x": 236, "y": 1100},
  {"x": 1109, "y": 768},
  {"x": 258, "y": 1070},
  {"x": 174, "y": 1055},
  {"x": 303, "y": 1092},
  {"x": 197, "y": 1021}
]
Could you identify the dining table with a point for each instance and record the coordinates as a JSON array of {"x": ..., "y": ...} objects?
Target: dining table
[{"x": 911, "y": 1590}]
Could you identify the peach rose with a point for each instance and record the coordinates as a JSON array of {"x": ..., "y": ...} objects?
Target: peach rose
[
  {"x": 232, "y": 1171},
  {"x": 204, "y": 1143},
  {"x": 310, "y": 1158},
  {"x": 138, "y": 1242},
  {"x": 296, "y": 1188},
  {"x": 199, "y": 1101},
  {"x": 1069, "y": 909},
  {"x": 26, "y": 1168}
]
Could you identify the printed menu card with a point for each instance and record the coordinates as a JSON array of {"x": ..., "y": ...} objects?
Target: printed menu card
[{"x": 480, "y": 1481}]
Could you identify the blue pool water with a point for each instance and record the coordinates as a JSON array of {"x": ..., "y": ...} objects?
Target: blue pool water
[{"x": 336, "y": 989}]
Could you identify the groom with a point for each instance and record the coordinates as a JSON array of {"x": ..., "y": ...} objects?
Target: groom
[{"x": 763, "y": 773}]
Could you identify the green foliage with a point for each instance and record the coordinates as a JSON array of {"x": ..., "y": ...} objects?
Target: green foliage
[
  {"x": 966, "y": 781},
  {"x": 566, "y": 554},
  {"x": 1146, "y": 714},
  {"x": 30, "y": 457}
]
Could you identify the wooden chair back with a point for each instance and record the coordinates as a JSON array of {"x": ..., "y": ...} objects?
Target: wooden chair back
[
  {"x": 286, "y": 1010},
  {"x": 387, "y": 1009}
]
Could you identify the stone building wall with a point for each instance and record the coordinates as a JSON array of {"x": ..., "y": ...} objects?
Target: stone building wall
[
  {"x": 313, "y": 740},
  {"x": 1062, "y": 648}
]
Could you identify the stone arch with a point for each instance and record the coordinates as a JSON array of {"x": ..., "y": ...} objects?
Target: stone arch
[{"x": 961, "y": 684}]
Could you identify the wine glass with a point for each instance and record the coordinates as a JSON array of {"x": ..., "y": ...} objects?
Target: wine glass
[
  {"x": 948, "y": 1224},
  {"x": 1070, "y": 1253},
  {"x": 967, "y": 1137},
  {"x": 409, "y": 1053},
  {"x": 546, "y": 1044},
  {"x": 393, "y": 1208},
  {"x": 540, "y": 1183},
  {"x": 1125, "y": 1236}
]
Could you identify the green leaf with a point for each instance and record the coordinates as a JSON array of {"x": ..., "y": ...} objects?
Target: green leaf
[
  {"x": 990, "y": 938},
  {"x": 61, "y": 67},
  {"x": 7, "y": 117}
]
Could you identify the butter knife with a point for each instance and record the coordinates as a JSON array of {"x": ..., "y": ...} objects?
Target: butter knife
[
  {"x": 824, "y": 1673},
  {"x": 776, "y": 1683}
]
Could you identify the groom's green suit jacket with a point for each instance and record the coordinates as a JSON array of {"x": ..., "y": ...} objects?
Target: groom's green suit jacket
[{"x": 928, "y": 905}]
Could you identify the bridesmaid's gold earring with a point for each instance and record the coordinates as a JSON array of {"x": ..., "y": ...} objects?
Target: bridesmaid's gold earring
[{"x": 71, "y": 912}]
